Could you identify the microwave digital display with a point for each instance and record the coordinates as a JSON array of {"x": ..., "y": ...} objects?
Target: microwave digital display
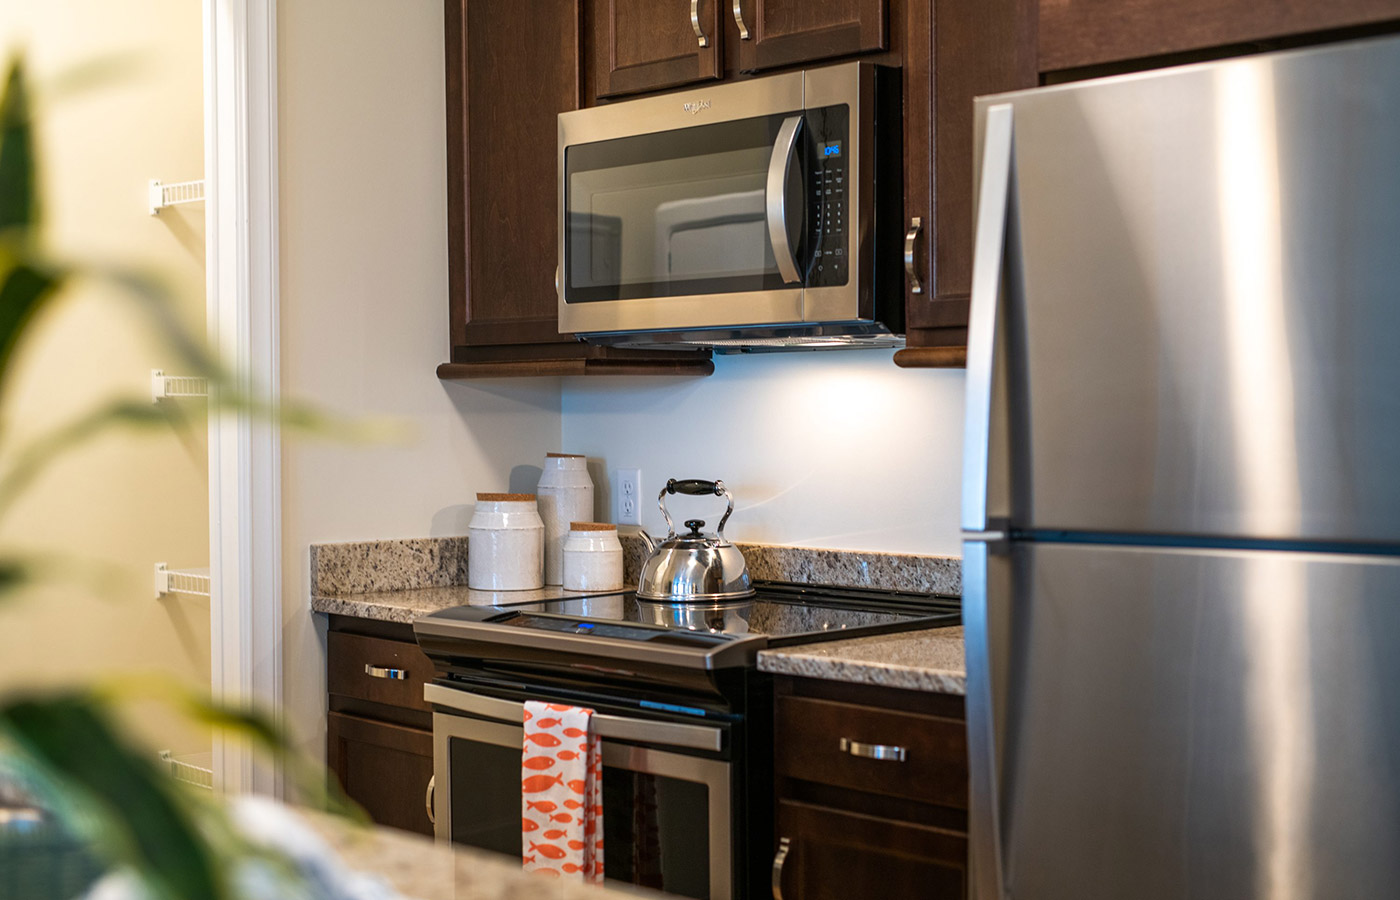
[{"x": 830, "y": 148}]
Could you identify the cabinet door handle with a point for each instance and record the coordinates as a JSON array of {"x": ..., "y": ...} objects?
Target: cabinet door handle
[
  {"x": 379, "y": 672},
  {"x": 916, "y": 224},
  {"x": 695, "y": 23},
  {"x": 739, "y": 20},
  {"x": 428, "y": 800},
  {"x": 779, "y": 858},
  {"x": 873, "y": 751}
]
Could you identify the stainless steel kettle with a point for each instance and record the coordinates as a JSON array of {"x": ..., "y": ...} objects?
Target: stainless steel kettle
[{"x": 693, "y": 567}]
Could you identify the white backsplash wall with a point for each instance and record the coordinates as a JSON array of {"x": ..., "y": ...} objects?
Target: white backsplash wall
[{"x": 838, "y": 449}]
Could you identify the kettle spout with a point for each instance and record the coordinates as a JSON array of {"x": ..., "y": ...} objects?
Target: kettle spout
[{"x": 648, "y": 540}]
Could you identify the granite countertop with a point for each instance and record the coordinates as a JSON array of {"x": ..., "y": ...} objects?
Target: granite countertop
[
  {"x": 400, "y": 580},
  {"x": 929, "y": 660},
  {"x": 419, "y": 868}
]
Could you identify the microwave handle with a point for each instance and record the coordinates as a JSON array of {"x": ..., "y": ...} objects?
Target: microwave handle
[{"x": 779, "y": 168}]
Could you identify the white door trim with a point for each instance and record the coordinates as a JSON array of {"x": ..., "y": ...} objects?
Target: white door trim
[{"x": 245, "y": 516}]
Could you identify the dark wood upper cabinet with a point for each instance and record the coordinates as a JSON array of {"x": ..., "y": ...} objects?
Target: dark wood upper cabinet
[
  {"x": 505, "y": 86},
  {"x": 508, "y": 78},
  {"x": 955, "y": 52},
  {"x": 791, "y": 32},
  {"x": 1076, "y": 34},
  {"x": 647, "y": 45}
]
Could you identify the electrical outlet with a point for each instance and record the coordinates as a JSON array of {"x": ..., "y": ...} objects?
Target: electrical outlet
[{"x": 628, "y": 483}]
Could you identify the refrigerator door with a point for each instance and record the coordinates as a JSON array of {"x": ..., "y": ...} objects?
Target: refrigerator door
[
  {"x": 1213, "y": 725},
  {"x": 1199, "y": 283}
]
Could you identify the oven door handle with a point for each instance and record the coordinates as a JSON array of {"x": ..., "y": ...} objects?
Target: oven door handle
[
  {"x": 619, "y": 728},
  {"x": 775, "y": 199}
]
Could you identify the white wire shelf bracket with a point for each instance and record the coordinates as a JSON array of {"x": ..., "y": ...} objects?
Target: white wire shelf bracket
[
  {"x": 196, "y": 769},
  {"x": 181, "y": 581},
  {"x": 160, "y": 195},
  {"x": 170, "y": 387}
]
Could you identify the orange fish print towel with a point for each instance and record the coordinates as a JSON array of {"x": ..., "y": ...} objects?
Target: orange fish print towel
[{"x": 561, "y": 793}]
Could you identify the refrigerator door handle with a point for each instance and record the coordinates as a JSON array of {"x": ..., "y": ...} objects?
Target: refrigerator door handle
[{"x": 992, "y": 203}]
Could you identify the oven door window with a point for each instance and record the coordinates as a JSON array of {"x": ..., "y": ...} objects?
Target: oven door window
[
  {"x": 676, "y": 213},
  {"x": 666, "y": 816}
]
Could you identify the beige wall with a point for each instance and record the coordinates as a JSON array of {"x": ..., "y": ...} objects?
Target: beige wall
[
  {"x": 118, "y": 506},
  {"x": 364, "y": 307}
]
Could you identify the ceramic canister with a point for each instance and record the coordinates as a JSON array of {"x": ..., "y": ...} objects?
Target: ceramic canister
[
  {"x": 505, "y": 544},
  {"x": 592, "y": 557},
  {"x": 565, "y": 495}
]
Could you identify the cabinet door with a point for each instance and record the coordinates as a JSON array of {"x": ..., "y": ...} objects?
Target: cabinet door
[
  {"x": 646, "y": 45},
  {"x": 955, "y": 51},
  {"x": 384, "y": 768},
  {"x": 790, "y": 32},
  {"x": 1079, "y": 33},
  {"x": 836, "y": 855},
  {"x": 510, "y": 71}
]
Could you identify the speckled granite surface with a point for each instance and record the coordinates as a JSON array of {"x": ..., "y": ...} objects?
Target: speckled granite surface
[
  {"x": 845, "y": 568},
  {"x": 419, "y": 868},
  {"x": 930, "y": 660},
  {"x": 399, "y": 580},
  {"x": 398, "y": 565}
]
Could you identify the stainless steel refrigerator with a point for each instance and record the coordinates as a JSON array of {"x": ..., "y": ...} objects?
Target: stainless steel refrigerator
[{"x": 1182, "y": 484}]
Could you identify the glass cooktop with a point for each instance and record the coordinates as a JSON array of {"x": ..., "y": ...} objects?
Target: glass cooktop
[{"x": 776, "y": 611}]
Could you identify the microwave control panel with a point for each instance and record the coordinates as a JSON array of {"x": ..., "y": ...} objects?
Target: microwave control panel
[{"x": 828, "y": 152}]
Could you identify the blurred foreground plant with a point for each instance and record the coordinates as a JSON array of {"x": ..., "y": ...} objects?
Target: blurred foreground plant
[{"x": 109, "y": 788}]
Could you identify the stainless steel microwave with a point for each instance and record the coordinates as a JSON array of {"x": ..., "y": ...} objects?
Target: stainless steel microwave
[{"x": 762, "y": 214}]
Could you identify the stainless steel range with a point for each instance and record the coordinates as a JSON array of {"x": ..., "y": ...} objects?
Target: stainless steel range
[{"x": 684, "y": 715}]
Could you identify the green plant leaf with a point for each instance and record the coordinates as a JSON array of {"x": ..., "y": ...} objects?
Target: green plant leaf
[
  {"x": 145, "y": 821},
  {"x": 19, "y": 205},
  {"x": 308, "y": 778},
  {"x": 23, "y": 290}
]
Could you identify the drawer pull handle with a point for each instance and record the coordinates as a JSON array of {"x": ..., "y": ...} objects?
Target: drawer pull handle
[
  {"x": 873, "y": 751},
  {"x": 379, "y": 672},
  {"x": 428, "y": 801},
  {"x": 779, "y": 858}
]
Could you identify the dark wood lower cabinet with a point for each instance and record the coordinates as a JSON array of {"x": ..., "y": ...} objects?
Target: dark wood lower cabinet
[
  {"x": 858, "y": 826},
  {"x": 848, "y": 856},
  {"x": 379, "y": 739},
  {"x": 384, "y": 768}
]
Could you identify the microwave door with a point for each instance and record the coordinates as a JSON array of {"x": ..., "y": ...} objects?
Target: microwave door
[{"x": 705, "y": 213}]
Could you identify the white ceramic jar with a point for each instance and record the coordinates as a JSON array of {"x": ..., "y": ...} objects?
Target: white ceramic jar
[
  {"x": 592, "y": 557},
  {"x": 565, "y": 495},
  {"x": 505, "y": 544}
]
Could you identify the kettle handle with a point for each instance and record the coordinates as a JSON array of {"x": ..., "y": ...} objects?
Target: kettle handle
[{"x": 695, "y": 487}]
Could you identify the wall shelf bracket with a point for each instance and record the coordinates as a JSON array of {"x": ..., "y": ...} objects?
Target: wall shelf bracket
[
  {"x": 169, "y": 387},
  {"x": 181, "y": 581},
  {"x": 160, "y": 195}
]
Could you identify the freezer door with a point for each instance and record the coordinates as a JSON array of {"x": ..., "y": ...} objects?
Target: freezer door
[
  {"x": 1170, "y": 724},
  {"x": 1199, "y": 329}
]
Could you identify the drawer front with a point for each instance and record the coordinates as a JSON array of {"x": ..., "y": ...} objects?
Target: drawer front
[
  {"x": 829, "y": 742},
  {"x": 360, "y": 667}
]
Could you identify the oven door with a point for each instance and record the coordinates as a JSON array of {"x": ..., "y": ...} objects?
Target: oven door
[
  {"x": 667, "y": 812},
  {"x": 714, "y": 211}
]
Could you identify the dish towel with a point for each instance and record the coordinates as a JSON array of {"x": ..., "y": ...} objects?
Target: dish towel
[{"x": 561, "y": 799}]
